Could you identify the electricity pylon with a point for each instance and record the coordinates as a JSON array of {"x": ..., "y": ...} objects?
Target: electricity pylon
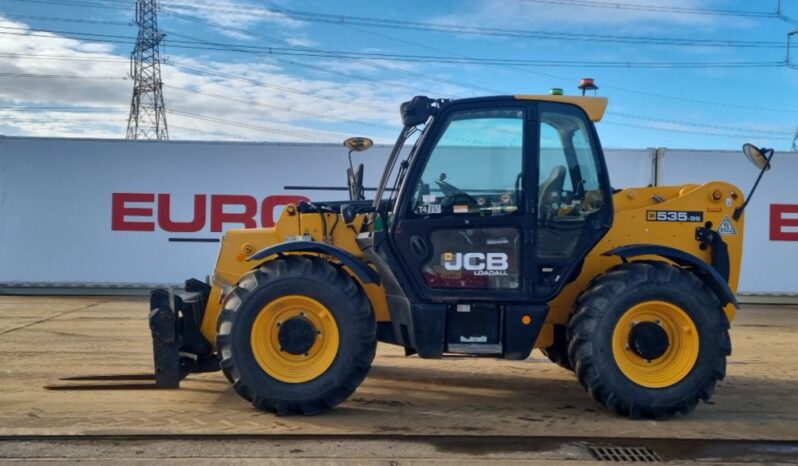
[{"x": 147, "y": 118}]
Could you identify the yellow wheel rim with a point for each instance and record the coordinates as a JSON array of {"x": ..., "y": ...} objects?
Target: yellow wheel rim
[
  {"x": 678, "y": 359},
  {"x": 282, "y": 365}
]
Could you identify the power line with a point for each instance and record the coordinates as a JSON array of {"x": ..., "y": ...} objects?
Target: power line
[
  {"x": 632, "y": 91},
  {"x": 480, "y": 30},
  {"x": 687, "y": 131},
  {"x": 233, "y": 137},
  {"x": 616, "y": 88},
  {"x": 294, "y": 51},
  {"x": 378, "y": 66},
  {"x": 657, "y": 8},
  {"x": 245, "y": 48},
  {"x": 461, "y": 29},
  {"x": 621, "y": 89},
  {"x": 292, "y": 90},
  {"x": 86, "y": 4},
  {"x": 238, "y": 124},
  {"x": 692, "y": 124},
  {"x": 472, "y": 60},
  {"x": 763, "y": 134},
  {"x": 60, "y": 76},
  {"x": 253, "y": 103},
  {"x": 59, "y": 109},
  {"x": 57, "y": 34},
  {"x": 677, "y": 98},
  {"x": 100, "y": 59},
  {"x": 581, "y": 3},
  {"x": 694, "y": 100},
  {"x": 61, "y": 19},
  {"x": 336, "y": 72},
  {"x": 208, "y": 73}
]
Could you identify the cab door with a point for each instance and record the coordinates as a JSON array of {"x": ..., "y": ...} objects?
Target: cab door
[
  {"x": 463, "y": 224},
  {"x": 574, "y": 204}
]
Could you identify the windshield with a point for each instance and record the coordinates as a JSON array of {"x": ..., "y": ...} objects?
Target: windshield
[{"x": 393, "y": 158}]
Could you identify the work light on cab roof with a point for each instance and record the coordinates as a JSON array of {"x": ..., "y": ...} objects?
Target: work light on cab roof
[{"x": 588, "y": 84}]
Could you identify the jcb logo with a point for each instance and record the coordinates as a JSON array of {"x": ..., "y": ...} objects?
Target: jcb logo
[{"x": 491, "y": 263}]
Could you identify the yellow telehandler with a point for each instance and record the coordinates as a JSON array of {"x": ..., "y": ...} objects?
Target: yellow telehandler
[{"x": 496, "y": 233}]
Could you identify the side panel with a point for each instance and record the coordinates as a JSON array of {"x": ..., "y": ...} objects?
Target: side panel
[
  {"x": 238, "y": 245},
  {"x": 639, "y": 220},
  {"x": 771, "y": 241}
]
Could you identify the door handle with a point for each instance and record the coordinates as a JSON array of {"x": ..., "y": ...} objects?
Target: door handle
[{"x": 419, "y": 246}]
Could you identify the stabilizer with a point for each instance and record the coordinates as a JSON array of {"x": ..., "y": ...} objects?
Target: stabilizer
[{"x": 178, "y": 346}]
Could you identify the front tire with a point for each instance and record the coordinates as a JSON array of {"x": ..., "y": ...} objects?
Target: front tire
[
  {"x": 558, "y": 351},
  {"x": 296, "y": 336},
  {"x": 649, "y": 340}
]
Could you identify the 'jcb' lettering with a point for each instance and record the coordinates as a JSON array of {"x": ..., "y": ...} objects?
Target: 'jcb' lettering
[
  {"x": 497, "y": 261},
  {"x": 476, "y": 261}
]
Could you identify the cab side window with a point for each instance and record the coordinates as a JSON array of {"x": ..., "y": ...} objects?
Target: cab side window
[
  {"x": 475, "y": 166},
  {"x": 569, "y": 191}
]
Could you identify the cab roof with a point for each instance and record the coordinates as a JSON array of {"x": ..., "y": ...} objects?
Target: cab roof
[{"x": 593, "y": 106}]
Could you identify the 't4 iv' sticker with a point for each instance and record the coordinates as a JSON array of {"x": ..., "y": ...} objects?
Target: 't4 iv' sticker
[
  {"x": 726, "y": 227},
  {"x": 426, "y": 209}
]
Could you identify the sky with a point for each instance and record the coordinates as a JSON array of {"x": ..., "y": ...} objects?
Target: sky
[{"x": 696, "y": 74}]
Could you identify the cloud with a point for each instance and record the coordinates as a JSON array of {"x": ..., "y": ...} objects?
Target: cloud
[
  {"x": 301, "y": 42},
  {"x": 525, "y": 14},
  {"x": 229, "y": 13},
  {"x": 259, "y": 100}
]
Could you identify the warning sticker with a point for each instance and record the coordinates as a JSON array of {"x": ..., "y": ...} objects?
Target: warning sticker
[
  {"x": 726, "y": 227},
  {"x": 461, "y": 209}
]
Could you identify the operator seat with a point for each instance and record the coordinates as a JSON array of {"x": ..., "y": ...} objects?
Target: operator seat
[{"x": 550, "y": 192}]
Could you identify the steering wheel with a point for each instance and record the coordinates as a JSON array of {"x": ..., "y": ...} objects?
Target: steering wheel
[
  {"x": 452, "y": 192},
  {"x": 550, "y": 194}
]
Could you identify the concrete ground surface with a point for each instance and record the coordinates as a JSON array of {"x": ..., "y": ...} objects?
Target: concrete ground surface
[{"x": 445, "y": 411}]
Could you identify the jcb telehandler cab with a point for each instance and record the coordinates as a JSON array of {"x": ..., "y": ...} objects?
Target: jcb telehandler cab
[{"x": 496, "y": 233}]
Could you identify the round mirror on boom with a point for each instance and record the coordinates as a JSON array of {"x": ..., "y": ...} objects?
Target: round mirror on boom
[
  {"x": 358, "y": 144},
  {"x": 756, "y": 156}
]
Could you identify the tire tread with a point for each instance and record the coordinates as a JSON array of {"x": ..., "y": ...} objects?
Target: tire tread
[
  {"x": 593, "y": 303},
  {"x": 288, "y": 268}
]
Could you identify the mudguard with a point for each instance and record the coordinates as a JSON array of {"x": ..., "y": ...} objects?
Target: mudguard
[
  {"x": 366, "y": 274},
  {"x": 704, "y": 271}
]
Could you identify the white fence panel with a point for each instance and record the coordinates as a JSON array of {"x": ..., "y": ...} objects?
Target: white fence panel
[
  {"x": 630, "y": 167},
  {"x": 85, "y": 212},
  {"x": 89, "y": 211}
]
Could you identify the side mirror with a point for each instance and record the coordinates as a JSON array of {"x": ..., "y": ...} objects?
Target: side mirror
[
  {"x": 355, "y": 182},
  {"x": 761, "y": 159},
  {"x": 757, "y": 156},
  {"x": 354, "y": 177},
  {"x": 358, "y": 144}
]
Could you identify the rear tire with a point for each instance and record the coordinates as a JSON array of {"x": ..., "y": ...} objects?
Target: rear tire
[
  {"x": 311, "y": 365},
  {"x": 617, "y": 348}
]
